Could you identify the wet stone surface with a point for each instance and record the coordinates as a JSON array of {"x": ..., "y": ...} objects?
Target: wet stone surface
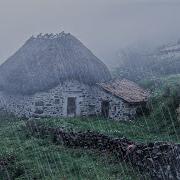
[{"x": 160, "y": 159}]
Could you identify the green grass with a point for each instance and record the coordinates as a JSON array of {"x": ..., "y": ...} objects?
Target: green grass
[
  {"x": 139, "y": 130},
  {"x": 163, "y": 104},
  {"x": 40, "y": 159}
]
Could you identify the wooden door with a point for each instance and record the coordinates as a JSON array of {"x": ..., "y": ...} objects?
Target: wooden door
[{"x": 71, "y": 106}]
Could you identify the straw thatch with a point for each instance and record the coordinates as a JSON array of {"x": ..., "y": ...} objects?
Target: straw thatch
[
  {"x": 126, "y": 90},
  {"x": 45, "y": 61}
]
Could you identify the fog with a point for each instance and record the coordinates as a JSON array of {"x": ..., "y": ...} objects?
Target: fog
[{"x": 104, "y": 26}]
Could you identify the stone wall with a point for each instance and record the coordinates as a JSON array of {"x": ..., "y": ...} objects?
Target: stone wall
[
  {"x": 54, "y": 102},
  {"x": 119, "y": 109},
  {"x": 161, "y": 160}
]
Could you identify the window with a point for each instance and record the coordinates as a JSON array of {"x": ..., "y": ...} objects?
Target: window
[
  {"x": 115, "y": 108},
  {"x": 105, "y": 108}
]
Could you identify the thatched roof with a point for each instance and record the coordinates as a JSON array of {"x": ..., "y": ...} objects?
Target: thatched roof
[
  {"x": 126, "y": 90},
  {"x": 46, "y": 60}
]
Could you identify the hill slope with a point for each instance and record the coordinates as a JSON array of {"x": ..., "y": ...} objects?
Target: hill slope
[{"x": 136, "y": 64}]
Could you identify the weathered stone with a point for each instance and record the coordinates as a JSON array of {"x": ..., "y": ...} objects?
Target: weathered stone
[
  {"x": 89, "y": 99},
  {"x": 38, "y": 111},
  {"x": 57, "y": 101},
  {"x": 163, "y": 164},
  {"x": 39, "y": 103}
]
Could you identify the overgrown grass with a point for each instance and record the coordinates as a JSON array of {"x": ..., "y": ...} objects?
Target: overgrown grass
[
  {"x": 41, "y": 159},
  {"x": 163, "y": 104},
  {"x": 139, "y": 130}
]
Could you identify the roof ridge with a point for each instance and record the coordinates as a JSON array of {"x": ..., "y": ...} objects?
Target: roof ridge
[{"x": 50, "y": 35}]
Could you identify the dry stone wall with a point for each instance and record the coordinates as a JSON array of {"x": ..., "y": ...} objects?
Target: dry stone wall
[
  {"x": 54, "y": 102},
  {"x": 161, "y": 160},
  {"x": 119, "y": 109}
]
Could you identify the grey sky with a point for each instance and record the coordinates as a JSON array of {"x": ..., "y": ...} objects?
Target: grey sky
[{"x": 104, "y": 26}]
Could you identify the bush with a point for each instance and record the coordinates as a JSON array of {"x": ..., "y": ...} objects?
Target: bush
[{"x": 163, "y": 105}]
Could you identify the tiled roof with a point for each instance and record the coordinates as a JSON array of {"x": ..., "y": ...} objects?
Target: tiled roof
[{"x": 127, "y": 90}]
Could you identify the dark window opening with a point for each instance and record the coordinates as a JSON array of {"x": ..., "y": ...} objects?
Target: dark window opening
[{"x": 105, "y": 109}]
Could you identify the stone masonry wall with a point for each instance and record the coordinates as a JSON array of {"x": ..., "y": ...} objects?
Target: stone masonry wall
[
  {"x": 54, "y": 102},
  {"x": 161, "y": 160},
  {"x": 119, "y": 109}
]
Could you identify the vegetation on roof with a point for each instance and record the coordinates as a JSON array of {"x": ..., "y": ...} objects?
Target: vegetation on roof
[
  {"x": 45, "y": 61},
  {"x": 127, "y": 90}
]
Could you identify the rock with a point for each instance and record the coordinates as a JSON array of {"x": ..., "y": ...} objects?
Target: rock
[{"x": 160, "y": 159}]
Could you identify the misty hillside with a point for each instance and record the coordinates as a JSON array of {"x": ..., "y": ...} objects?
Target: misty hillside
[{"x": 137, "y": 64}]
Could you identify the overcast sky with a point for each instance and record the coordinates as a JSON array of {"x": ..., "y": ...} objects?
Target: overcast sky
[{"x": 104, "y": 26}]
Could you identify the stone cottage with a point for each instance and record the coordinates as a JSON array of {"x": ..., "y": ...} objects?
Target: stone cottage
[{"x": 56, "y": 75}]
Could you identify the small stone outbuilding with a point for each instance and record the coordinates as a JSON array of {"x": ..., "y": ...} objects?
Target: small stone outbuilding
[
  {"x": 124, "y": 98},
  {"x": 57, "y": 76}
]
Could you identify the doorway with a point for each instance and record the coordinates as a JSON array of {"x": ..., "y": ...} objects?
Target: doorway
[
  {"x": 71, "y": 106},
  {"x": 105, "y": 109}
]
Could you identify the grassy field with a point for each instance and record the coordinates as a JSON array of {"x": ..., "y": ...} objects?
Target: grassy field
[
  {"x": 40, "y": 159},
  {"x": 140, "y": 130}
]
